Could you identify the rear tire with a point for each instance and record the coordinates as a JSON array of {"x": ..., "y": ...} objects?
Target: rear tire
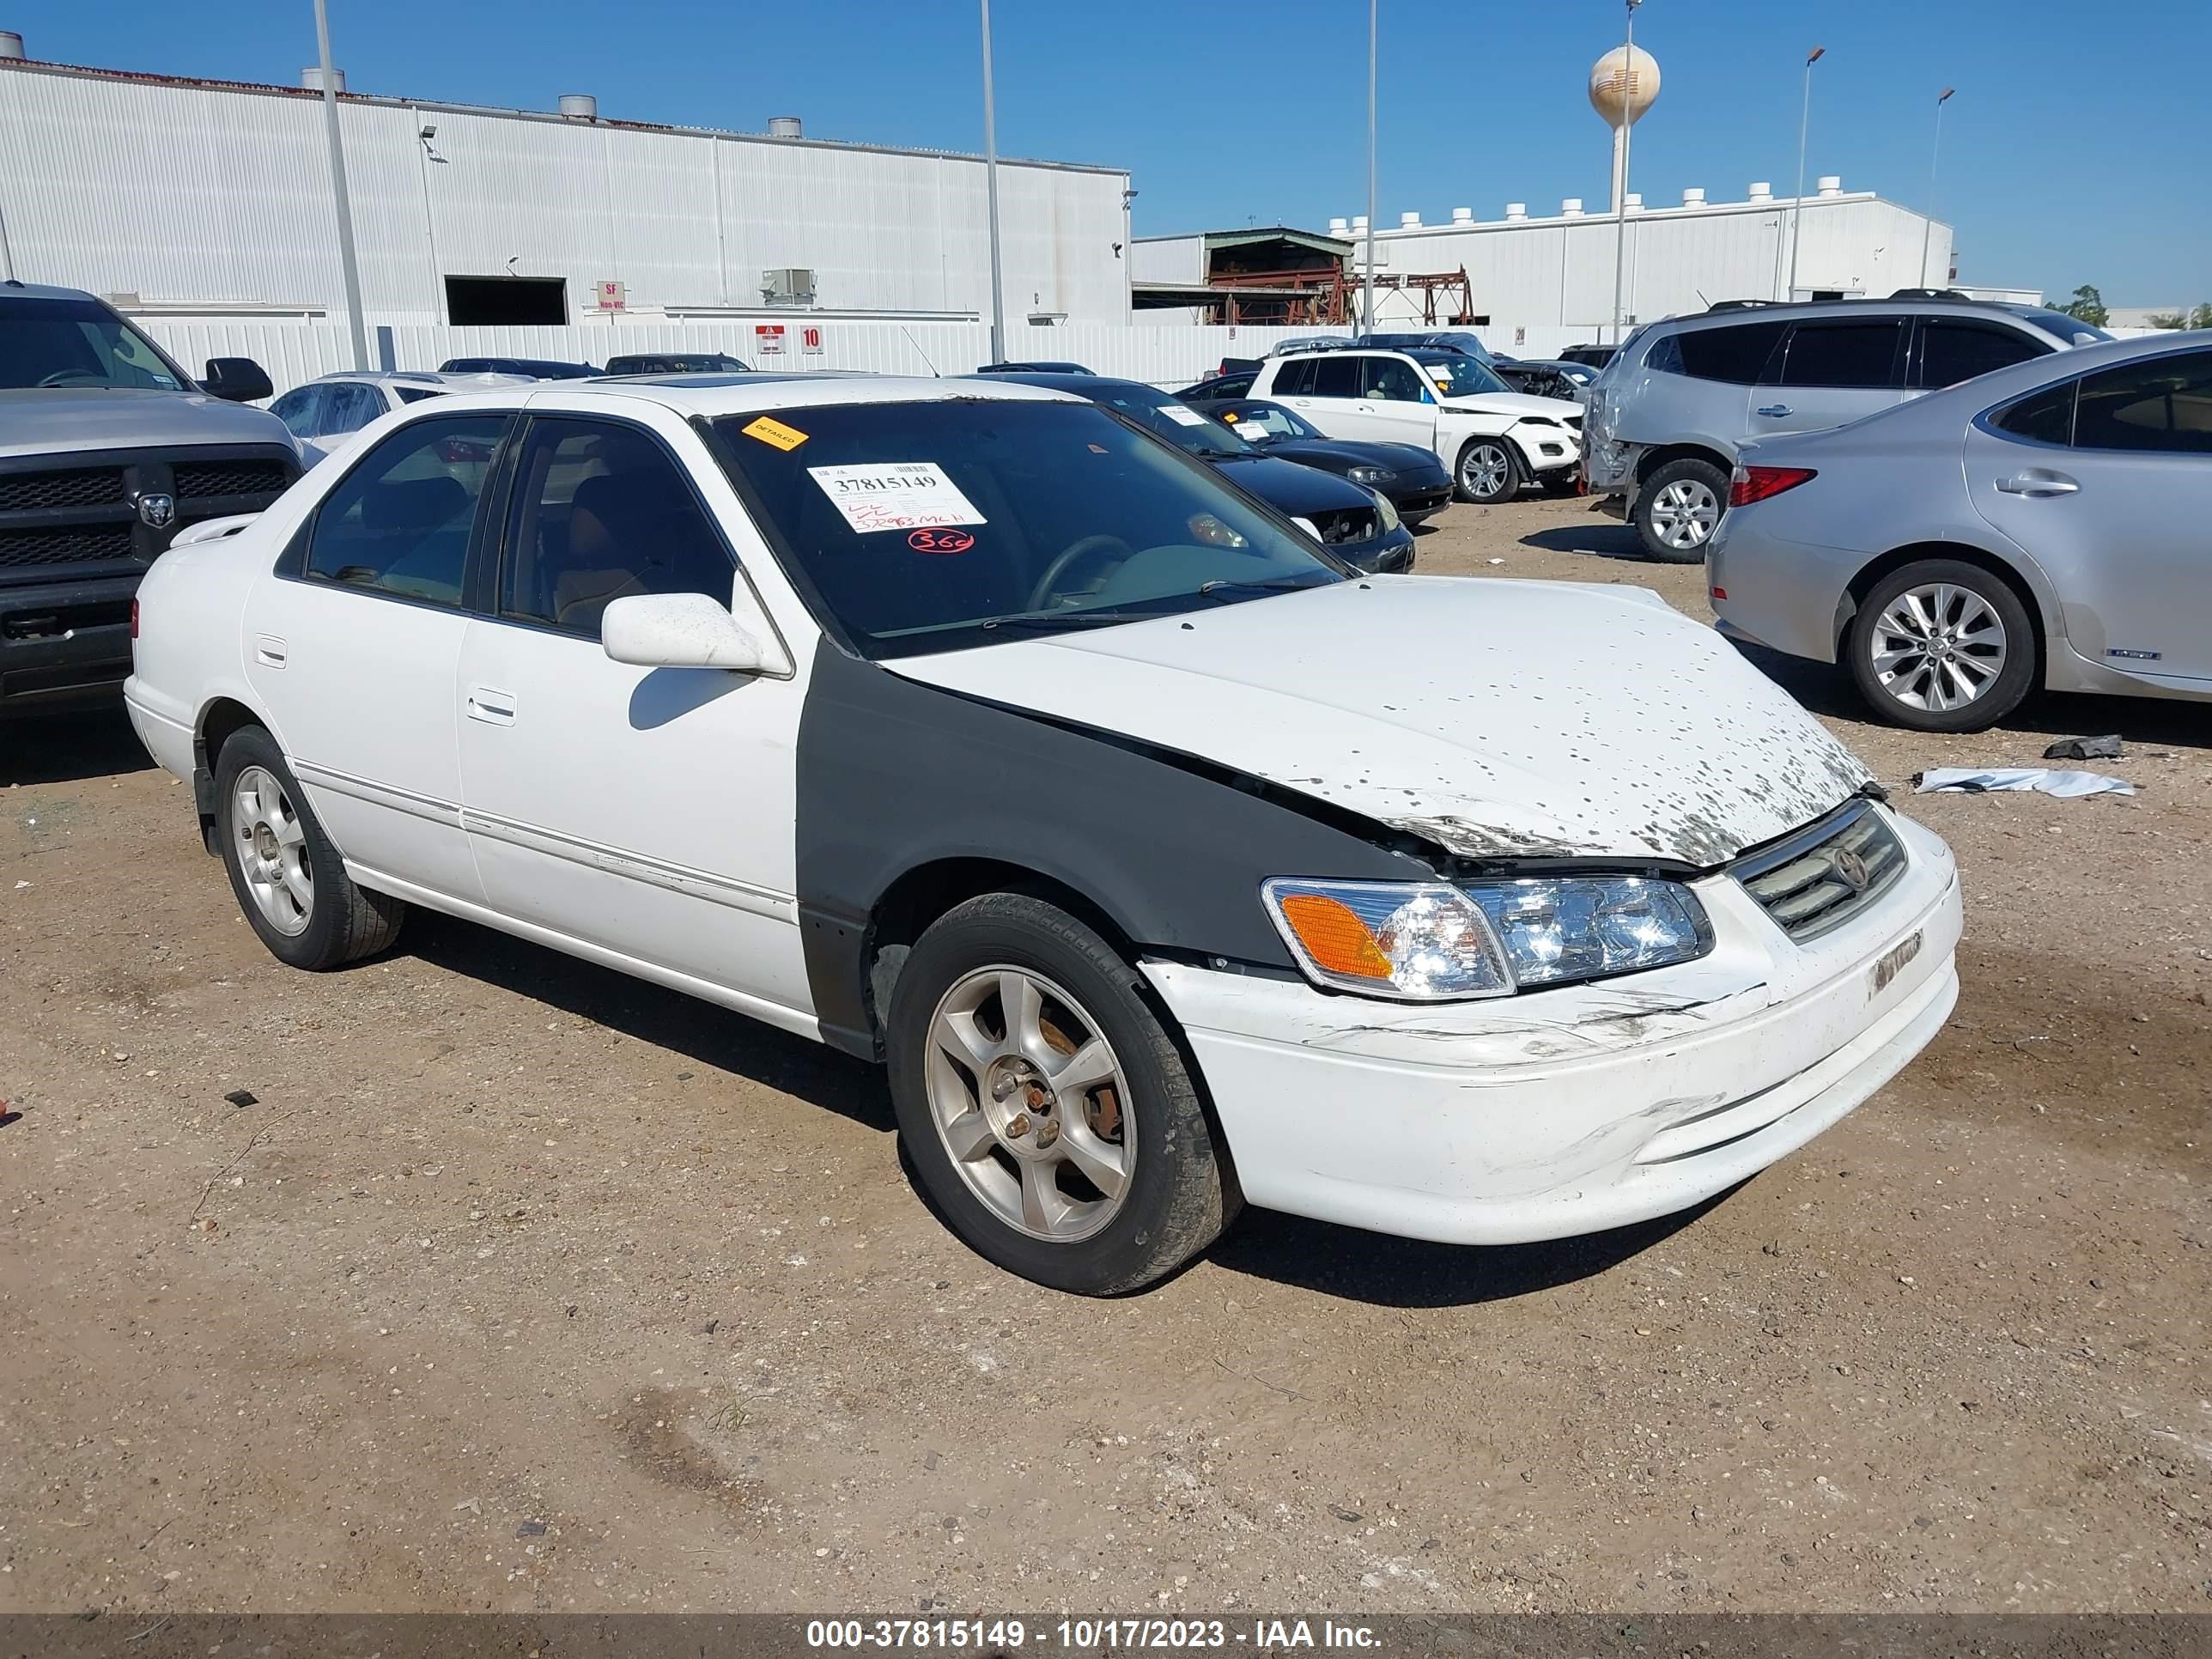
[
  {"x": 1006, "y": 1148},
  {"x": 1679, "y": 507},
  {"x": 289, "y": 880},
  {"x": 1488, "y": 471},
  {"x": 1942, "y": 646}
]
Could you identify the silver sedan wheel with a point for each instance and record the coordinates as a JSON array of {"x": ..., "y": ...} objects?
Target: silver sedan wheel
[
  {"x": 272, "y": 851},
  {"x": 1684, "y": 513},
  {"x": 1484, "y": 470},
  {"x": 1031, "y": 1104},
  {"x": 1938, "y": 647}
]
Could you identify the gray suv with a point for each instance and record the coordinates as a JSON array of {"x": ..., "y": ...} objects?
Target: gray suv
[
  {"x": 1667, "y": 417},
  {"x": 108, "y": 449}
]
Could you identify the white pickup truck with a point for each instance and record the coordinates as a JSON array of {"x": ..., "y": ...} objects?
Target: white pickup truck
[{"x": 1492, "y": 440}]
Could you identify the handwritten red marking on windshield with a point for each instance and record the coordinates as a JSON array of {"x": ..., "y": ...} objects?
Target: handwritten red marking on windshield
[{"x": 940, "y": 541}]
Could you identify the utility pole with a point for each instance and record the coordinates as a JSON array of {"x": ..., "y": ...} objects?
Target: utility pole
[
  {"x": 1797, "y": 207},
  {"x": 991, "y": 189},
  {"x": 346, "y": 258},
  {"x": 1935, "y": 155},
  {"x": 1367, "y": 326}
]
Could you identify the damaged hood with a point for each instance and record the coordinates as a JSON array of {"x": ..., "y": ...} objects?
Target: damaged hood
[{"x": 1491, "y": 719}]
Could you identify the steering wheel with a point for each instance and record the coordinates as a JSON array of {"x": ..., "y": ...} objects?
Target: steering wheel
[
  {"x": 1067, "y": 558},
  {"x": 63, "y": 376}
]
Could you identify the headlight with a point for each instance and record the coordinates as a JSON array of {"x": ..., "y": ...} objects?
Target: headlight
[
  {"x": 1433, "y": 942},
  {"x": 1387, "y": 508},
  {"x": 1370, "y": 474}
]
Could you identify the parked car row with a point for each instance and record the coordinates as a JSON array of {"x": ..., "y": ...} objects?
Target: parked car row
[{"x": 1160, "y": 854}]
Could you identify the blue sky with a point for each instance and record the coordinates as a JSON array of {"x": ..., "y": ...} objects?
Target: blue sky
[{"x": 2075, "y": 152}]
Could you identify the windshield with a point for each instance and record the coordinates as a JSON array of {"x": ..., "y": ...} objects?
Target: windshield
[
  {"x": 1173, "y": 419},
  {"x": 1258, "y": 421},
  {"x": 919, "y": 527},
  {"x": 1460, "y": 377},
  {"x": 78, "y": 343},
  {"x": 2072, "y": 330}
]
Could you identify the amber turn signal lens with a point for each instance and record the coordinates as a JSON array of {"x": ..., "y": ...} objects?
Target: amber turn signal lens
[{"x": 1335, "y": 937}]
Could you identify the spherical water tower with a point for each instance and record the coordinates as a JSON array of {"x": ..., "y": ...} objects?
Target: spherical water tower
[{"x": 1623, "y": 85}]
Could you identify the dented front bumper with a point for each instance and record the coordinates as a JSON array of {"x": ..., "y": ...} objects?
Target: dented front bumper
[{"x": 1568, "y": 1111}]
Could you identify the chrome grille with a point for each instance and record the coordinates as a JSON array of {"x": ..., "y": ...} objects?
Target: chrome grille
[{"x": 1826, "y": 874}]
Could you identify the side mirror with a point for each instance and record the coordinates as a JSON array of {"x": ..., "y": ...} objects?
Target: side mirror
[
  {"x": 687, "y": 630},
  {"x": 236, "y": 380}
]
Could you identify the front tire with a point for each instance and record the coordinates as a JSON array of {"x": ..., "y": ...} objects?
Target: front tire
[
  {"x": 1942, "y": 646},
  {"x": 290, "y": 881},
  {"x": 1048, "y": 1113},
  {"x": 1678, "y": 509},
  {"x": 1489, "y": 470}
]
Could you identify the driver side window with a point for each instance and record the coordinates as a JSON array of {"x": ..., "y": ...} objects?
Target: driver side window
[
  {"x": 602, "y": 512},
  {"x": 1392, "y": 380}
]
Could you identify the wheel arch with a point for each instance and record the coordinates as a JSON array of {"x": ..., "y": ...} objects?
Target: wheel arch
[
  {"x": 1875, "y": 570},
  {"x": 1661, "y": 455},
  {"x": 220, "y": 717}
]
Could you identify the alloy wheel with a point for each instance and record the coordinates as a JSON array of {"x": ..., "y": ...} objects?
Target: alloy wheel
[
  {"x": 1030, "y": 1103},
  {"x": 1684, "y": 513},
  {"x": 1484, "y": 472},
  {"x": 272, "y": 851},
  {"x": 1938, "y": 647}
]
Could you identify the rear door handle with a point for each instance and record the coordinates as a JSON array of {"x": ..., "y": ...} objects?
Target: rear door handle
[
  {"x": 493, "y": 708},
  {"x": 2039, "y": 483},
  {"x": 1775, "y": 409},
  {"x": 268, "y": 650}
]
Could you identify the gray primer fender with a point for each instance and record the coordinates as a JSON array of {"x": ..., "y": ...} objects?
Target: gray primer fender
[{"x": 893, "y": 774}]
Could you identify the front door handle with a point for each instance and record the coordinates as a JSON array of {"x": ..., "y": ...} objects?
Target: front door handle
[
  {"x": 1776, "y": 410},
  {"x": 2039, "y": 482},
  {"x": 492, "y": 707}
]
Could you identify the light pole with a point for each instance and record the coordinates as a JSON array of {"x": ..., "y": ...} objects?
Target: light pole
[
  {"x": 1367, "y": 326},
  {"x": 1935, "y": 155},
  {"x": 1621, "y": 185},
  {"x": 346, "y": 259},
  {"x": 991, "y": 189},
  {"x": 1797, "y": 206}
]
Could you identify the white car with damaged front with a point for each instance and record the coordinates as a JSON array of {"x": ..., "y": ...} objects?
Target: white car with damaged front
[{"x": 1166, "y": 862}]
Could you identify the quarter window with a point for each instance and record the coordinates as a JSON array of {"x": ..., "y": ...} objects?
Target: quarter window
[
  {"x": 1843, "y": 354},
  {"x": 399, "y": 523},
  {"x": 603, "y": 512},
  {"x": 2045, "y": 417},
  {"x": 1952, "y": 352},
  {"x": 1295, "y": 379},
  {"x": 2163, "y": 405},
  {"x": 1734, "y": 355}
]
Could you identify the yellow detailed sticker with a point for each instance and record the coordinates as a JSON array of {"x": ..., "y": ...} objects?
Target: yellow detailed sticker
[{"x": 775, "y": 433}]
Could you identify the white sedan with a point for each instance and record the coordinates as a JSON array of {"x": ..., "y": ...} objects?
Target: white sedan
[
  {"x": 1166, "y": 861},
  {"x": 328, "y": 414}
]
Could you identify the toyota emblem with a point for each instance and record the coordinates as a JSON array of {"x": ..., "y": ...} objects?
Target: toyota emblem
[
  {"x": 1852, "y": 867},
  {"x": 156, "y": 512}
]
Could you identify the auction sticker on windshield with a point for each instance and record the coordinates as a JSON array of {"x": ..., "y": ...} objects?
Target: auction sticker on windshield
[{"x": 894, "y": 495}]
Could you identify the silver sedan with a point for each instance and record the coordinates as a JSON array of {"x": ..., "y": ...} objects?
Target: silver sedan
[{"x": 2048, "y": 524}]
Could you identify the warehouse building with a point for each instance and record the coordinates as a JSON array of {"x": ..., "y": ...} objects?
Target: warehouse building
[
  {"x": 212, "y": 199},
  {"x": 1557, "y": 271}
]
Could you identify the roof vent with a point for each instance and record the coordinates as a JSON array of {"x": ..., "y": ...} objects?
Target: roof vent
[
  {"x": 1832, "y": 184},
  {"x": 1572, "y": 208},
  {"x": 1409, "y": 222},
  {"x": 785, "y": 127},
  {"x": 1462, "y": 215},
  {"x": 1693, "y": 196},
  {"x": 1631, "y": 202},
  {"x": 578, "y": 106},
  {"x": 311, "y": 78},
  {"x": 11, "y": 44},
  {"x": 1338, "y": 226},
  {"x": 1516, "y": 211},
  {"x": 1359, "y": 222},
  {"x": 1762, "y": 192}
]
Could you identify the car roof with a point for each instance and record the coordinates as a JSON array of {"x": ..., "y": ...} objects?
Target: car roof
[
  {"x": 14, "y": 290},
  {"x": 1734, "y": 315},
  {"x": 713, "y": 395},
  {"x": 1093, "y": 387}
]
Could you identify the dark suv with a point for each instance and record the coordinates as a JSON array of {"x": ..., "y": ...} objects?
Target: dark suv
[
  {"x": 107, "y": 450},
  {"x": 1667, "y": 417}
]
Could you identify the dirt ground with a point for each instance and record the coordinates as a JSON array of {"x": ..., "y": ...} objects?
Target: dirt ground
[{"x": 521, "y": 1285}]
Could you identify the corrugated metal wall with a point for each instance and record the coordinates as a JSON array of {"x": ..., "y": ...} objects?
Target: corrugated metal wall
[{"x": 196, "y": 192}]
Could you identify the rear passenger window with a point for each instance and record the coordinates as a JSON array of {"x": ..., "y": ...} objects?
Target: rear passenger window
[
  {"x": 2045, "y": 417},
  {"x": 1843, "y": 354},
  {"x": 2164, "y": 405},
  {"x": 1952, "y": 352},
  {"x": 603, "y": 512},
  {"x": 1336, "y": 377},
  {"x": 399, "y": 523},
  {"x": 1734, "y": 355},
  {"x": 1295, "y": 379}
]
